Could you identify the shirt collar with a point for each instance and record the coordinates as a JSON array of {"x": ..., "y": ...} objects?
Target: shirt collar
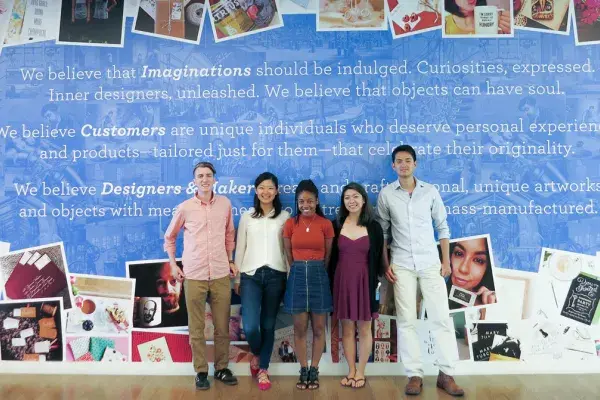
[
  {"x": 213, "y": 198},
  {"x": 397, "y": 184}
]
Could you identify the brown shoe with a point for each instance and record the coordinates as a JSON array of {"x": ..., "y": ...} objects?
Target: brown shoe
[
  {"x": 447, "y": 384},
  {"x": 414, "y": 386}
]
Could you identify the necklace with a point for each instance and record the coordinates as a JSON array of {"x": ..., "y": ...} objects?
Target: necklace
[{"x": 311, "y": 221}]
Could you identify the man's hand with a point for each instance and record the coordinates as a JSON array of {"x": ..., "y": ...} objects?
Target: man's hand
[
  {"x": 487, "y": 296},
  {"x": 390, "y": 276},
  {"x": 236, "y": 288},
  {"x": 233, "y": 270},
  {"x": 446, "y": 270},
  {"x": 179, "y": 275}
]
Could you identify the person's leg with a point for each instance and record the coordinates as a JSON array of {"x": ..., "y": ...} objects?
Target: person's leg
[
  {"x": 195, "y": 300},
  {"x": 349, "y": 345},
  {"x": 251, "y": 293},
  {"x": 435, "y": 297},
  {"x": 405, "y": 298},
  {"x": 318, "y": 322},
  {"x": 365, "y": 345},
  {"x": 300, "y": 329},
  {"x": 273, "y": 290},
  {"x": 220, "y": 303}
]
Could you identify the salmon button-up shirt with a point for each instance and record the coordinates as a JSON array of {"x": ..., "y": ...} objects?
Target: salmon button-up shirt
[{"x": 208, "y": 236}]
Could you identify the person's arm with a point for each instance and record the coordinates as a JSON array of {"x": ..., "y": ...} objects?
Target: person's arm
[
  {"x": 171, "y": 233},
  {"x": 230, "y": 242},
  {"x": 73, "y": 11},
  {"x": 384, "y": 219},
  {"x": 329, "y": 235},
  {"x": 287, "y": 246},
  {"x": 240, "y": 250},
  {"x": 89, "y": 10},
  {"x": 440, "y": 222},
  {"x": 114, "y": 3}
]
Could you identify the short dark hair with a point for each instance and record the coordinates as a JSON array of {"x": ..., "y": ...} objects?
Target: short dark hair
[
  {"x": 404, "y": 148},
  {"x": 49, "y": 107},
  {"x": 451, "y": 7},
  {"x": 277, "y": 206},
  {"x": 527, "y": 101},
  {"x": 204, "y": 164},
  {"x": 366, "y": 213}
]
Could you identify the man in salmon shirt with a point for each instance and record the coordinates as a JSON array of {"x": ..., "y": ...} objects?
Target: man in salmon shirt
[{"x": 208, "y": 243}]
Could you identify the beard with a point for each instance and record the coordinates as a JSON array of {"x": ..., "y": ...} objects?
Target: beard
[{"x": 171, "y": 303}]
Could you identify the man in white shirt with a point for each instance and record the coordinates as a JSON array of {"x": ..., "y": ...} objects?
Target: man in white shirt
[{"x": 409, "y": 209}]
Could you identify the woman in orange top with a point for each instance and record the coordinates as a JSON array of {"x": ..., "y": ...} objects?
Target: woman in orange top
[{"x": 307, "y": 239}]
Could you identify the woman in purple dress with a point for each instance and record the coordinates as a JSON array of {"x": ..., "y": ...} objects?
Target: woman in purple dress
[{"x": 356, "y": 263}]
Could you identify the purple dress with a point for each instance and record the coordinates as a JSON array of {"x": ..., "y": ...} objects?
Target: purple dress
[{"x": 351, "y": 282}]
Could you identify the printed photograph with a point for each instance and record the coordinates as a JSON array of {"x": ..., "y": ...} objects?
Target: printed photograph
[
  {"x": 172, "y": 19},
  {"x": 94, "y": 348},
  {"x": 92, "y": 23},
  {"x": 549, "y": 340},
  {"x": 490, "y": 341},
  {"x": 102, "y": 305},
  {"x": 32, "y": 330},
  {"x": 568, "y": 287},
  {"x": 587, "y": 22},
  {"x": 351, "y": 15},
  {"x": 409, "y": 17},
  {"x": 231, "y": 19},
  {"x": 160, "y": 347},
  {"x": 515, "y": 288},
  {"x": 548, "y": 16},
  {"x": 471, "y": 283},
  {"x": 6, "y": 7},
  {"x": 35, "y": 273},
  {"x": 478, "y": 18},
  {"x": 159, "y": 297},
  {"x": 32, "y": 21}
]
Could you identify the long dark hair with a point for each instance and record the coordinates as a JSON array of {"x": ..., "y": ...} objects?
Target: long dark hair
[
  {"x": 258, "y": 212},
  {"x": 487, "y": 279},
  {"x": 309, "y": 186},
  {"x": 451, "y": 7},
  {"x": 366, "y": 213}
]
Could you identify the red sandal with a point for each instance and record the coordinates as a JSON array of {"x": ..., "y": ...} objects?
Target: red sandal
[
  {"x": 254, "y": 368},
  {"x": 264, "y": 383}
]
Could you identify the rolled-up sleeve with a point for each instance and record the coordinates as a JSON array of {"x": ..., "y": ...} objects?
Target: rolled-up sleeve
[
  {"x": 440, "y": 217},
  {"x": 383, "y": 216},
  {"x": 230, "y": 232},
  {"x": 173, "y": 230}
]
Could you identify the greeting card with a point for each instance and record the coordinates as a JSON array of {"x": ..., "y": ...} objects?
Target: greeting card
[
  {"x": 155, "y": 351},
  {"x": 112, "y": 355}
]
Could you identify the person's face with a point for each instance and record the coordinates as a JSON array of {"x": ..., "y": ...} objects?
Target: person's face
[
  {"x": 307, "y": 203},
  {"x": 266, "y": 192},
  {"x": 466, "y": 6},
  {"x": 469, "y": 261},
  {"x": 169, "y": 288},
  {"x": 353, "y": 201},
  {"x": 50, "y": 117},
  {"x": 149, "y": 311},
  {"x": 204, "y": 179},
  {"x": 404, "y": 164}
]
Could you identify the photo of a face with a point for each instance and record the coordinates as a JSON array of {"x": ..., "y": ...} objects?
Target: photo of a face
[
  {"x": 159, "y": 296},
  {"x": 471, "y": 282},
  {"x": 168, "y": 288}
]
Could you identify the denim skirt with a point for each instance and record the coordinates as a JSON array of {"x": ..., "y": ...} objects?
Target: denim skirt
[{"x": 308, "y": 289}]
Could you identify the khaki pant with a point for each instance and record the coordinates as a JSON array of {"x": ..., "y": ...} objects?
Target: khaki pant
[{"x": 220, "y": 303}]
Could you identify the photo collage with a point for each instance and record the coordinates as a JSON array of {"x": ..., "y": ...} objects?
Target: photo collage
[{"x": 103, "y": 22}]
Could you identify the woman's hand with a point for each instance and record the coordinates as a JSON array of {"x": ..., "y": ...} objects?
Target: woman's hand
[
  {"x": 504, "y": 23},
  {"x": 236, "y": 288},
  {"x": 487, "y": 296}
]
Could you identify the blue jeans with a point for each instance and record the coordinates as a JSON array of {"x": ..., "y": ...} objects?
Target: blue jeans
[{"x": 261, "y": 295}]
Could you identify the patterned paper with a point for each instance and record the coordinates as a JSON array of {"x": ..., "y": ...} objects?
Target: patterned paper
[
  {"x": 112, "y": 355},
  {"x": 98, "y": 347},
  {"x": 79, "y": 347},
  {"x": 86, "y": 357}
]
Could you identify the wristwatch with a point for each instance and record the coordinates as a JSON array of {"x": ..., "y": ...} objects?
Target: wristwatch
[{"x": 231, "y": 262}]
